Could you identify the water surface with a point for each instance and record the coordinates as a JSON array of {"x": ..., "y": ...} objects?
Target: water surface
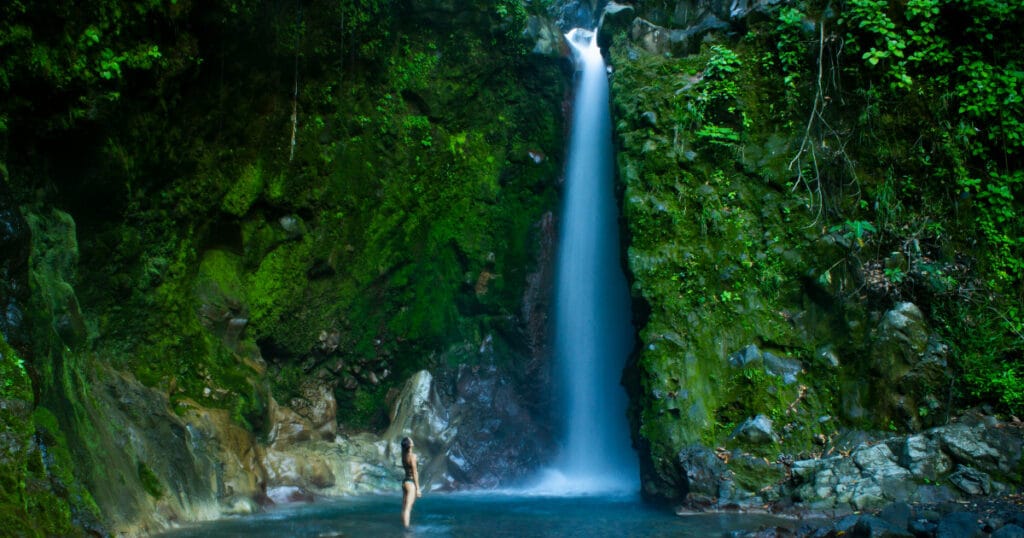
[{"x": 471, "y": 515}]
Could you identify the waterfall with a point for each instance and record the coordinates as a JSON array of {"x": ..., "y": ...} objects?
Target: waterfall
[{"x": 593, "y": 335}]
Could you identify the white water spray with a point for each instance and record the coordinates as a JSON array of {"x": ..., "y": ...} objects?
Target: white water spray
[{"x": 593, "y": 331}]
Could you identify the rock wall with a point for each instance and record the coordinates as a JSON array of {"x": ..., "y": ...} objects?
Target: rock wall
[
  {"x": 777, "y": 314},
  {"x": 218, "y": 278}
]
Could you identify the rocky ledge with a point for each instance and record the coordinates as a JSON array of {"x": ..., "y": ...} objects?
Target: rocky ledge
[{"x": 959, "y": 479}]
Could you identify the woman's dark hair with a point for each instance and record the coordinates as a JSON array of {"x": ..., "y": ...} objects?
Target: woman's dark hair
[{"x": 406, "y": 445}]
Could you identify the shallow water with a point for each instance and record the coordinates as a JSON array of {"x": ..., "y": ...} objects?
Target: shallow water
[{"x": 471, "y": 515}]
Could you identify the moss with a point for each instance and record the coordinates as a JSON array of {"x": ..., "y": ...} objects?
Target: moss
[
  {"x": 368, "y": 408},
  {"x": 753, "y": 474},
  {"x": 245, "y": 190},
  {"x": 150, "y": 482},
  {"x": 36, "y": 475},
  {"x": 277, "y": 282}
]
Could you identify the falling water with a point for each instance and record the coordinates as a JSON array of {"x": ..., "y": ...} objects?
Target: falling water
[{"x": 593, "y": 331}]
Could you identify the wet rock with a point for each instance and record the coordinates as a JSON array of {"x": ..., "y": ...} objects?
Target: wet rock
[
  {"x": 289, "y": 494},
  {"x": 615, "y": 18},
  {"x": 911, "y": 364},
  {"x": 317, "y": 405},
  {"x": 240, "y": 473},
  {"x": 787, "y": 369},
  {"x": 498, "y": 439},
  {"x": 922, "y": 528},
  {"x": 545, "y": 36},
  {"x": 744, "y": 357},
  {"x": 905, "y": 323},
  {"x": 703, "y": 474},
  {"x": 286, "y": 426},
  {"x": 302, "y": 466},
  {"x": 971, "y": 481},
  {"x": 959, "y": 525},
  {"x": 922, "y": 456},
  {"x": 756, "y": 431},
  {"x": 239, "y": 506},
  {"x": 874, "y": 527},
  {"x": 1009, "y": 531},
  {"x": 966, "y": 445},
  {"x": 897, "y": 514}
]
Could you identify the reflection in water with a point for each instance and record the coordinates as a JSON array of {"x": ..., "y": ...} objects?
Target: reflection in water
[{"x": 468, "y": 515}]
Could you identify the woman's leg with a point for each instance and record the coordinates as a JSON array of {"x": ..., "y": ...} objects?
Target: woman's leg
[{"x": 408, "y": 497}]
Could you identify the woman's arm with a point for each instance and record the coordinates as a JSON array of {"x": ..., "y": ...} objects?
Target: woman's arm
[{"x": 416, "y": 475}]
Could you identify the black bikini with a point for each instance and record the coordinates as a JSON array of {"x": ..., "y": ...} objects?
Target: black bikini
[{"x": 408, "y": 472}]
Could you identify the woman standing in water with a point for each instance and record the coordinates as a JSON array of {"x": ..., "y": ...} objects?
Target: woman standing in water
[{"x": 411, "y": 482}]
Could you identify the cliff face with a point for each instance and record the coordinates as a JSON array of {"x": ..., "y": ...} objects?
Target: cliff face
[
  {"x": 236, "y": 228},
  {"x": 246, "y": 245},
  {"x": 806, "y": 233}
]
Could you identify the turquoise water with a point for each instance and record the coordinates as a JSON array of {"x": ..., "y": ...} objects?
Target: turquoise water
[{"x": 471, "y": 515}]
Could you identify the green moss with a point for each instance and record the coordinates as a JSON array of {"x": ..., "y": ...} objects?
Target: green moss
[
  {"x": 278, "y": 282},
  {"x": 150, "y": 482},
  {"x": 753, "y": 473},
  {"x": 244, "y": 191},
  {"x": 30, "y": 505}
]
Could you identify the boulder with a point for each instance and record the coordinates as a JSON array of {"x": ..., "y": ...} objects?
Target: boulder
[
  {"x": 317, "y": 405},
  {"x": 967, "y": 445},
  {"x": 545, "y": 37},
  {"x": 498, "y": 440},
  {"x": 910, "y": 363},
  {"x": 240, "y": 473},
  {"x": 874, "y": 527},
  {"x": 755, "y": 431},
  {"x": 1009, "y": 531},
  {"x": 747, "y": 355},
  {"x": 286, "y": 426},
  {"x": 923, "y": 456},
  {"x": 971, "y": 481},
  {"x": 897, "y": 514},
  {"x": 959, "y": 525},
  {"x": 787, "y": 369},
  {"x": 704, "y": 474}
]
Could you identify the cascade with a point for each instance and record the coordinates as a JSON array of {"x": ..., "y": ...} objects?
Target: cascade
[{"x": 593, "y": 335}]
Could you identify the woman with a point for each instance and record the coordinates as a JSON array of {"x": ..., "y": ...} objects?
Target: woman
[{"x": 411, "y": 482}]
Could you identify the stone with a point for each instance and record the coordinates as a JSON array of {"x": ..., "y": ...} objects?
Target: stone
[
  {"x": 874, "y": 527},
  {"x": 787, "y": 369},
  {"x": 289, "y": 495},
  {"x": 898, "y": 514},
  {"x": 922, "y": 455},
  {"x": 971, "y": 481},
  {"x": 757, "y": 431},
  {"x": 703, "y": 472},
  {"x": 545, "y": 36},
  {"x": 922, "y": 528},
  {"x": 286, "y": 426},
  {"x": 317, "y": 405},
  {"x": 239, "y": 506},
  {"x": 1008, "y": 531},
  {"x": 966, "y": 445},
  {"x": 905, "y": 323},
  {"x": 745, "y": 356},
  {"x": 959, "y": 525}
]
